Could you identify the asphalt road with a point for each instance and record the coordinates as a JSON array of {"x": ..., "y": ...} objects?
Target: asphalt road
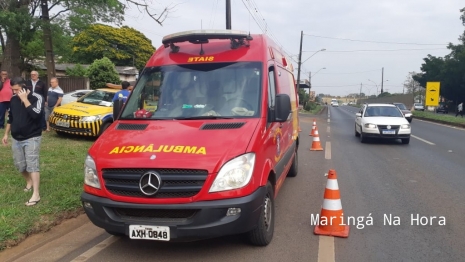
[{"x": 379, "y": 178}]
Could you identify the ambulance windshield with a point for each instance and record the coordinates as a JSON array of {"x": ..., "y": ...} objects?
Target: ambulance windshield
[{"x": 196, "y": 91}]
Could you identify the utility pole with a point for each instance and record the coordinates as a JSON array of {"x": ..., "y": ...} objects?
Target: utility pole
[
  {"x": 49, "y": 59},
  {"x": 228, "y": 14},
  {"x": 300, "y": 60},
  {"x": 309, "y": 82},
  {"x": 382, "y": 79},
  {"x": 360, "y": 95}
]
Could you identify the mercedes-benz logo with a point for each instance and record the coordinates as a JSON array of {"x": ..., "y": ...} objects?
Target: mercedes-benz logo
[
  {"x": 388, "y": 127},
  {"x": 149, "y": 183}
]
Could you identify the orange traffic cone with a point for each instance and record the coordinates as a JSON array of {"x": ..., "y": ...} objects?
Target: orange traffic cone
[
  {"x": 331, "y": 222},
  {"x": 313, "y": 128},
  {"x": 316, "y": 145}
]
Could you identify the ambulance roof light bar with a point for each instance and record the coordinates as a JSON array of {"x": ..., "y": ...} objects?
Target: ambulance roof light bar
[{"x": 203, "y": 36}]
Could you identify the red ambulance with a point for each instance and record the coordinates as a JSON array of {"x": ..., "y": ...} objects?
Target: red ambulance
[{"x": 203, "y": 144}]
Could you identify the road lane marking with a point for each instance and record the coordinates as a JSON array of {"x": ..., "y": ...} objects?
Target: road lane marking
[
  {"x": 328, "y": 129},
  {"x": 96, "y": 249},
  {"x": 326, "y": 249},
  {"x": 328, "y": 150},
  {"x": 329, "y": 120},
  {"x": 423, "y": 140},
  {"x": 439, "y": 124}
]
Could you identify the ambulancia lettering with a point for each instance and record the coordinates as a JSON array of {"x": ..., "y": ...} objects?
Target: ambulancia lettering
[{"x": 160, "y": 149}]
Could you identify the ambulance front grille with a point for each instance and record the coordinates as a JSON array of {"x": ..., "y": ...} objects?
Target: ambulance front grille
[{"x": 175, "y": 183}]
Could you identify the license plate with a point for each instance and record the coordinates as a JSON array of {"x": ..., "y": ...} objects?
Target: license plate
[
  {"x": 389, "y": 132},
  {"x": 149, "y": 232},
  {"x": 62, "y": 123}
]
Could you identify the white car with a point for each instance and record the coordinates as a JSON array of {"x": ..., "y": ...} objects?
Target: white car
[
  {"x": 384, "y": 121},
  {"x": 418, "y": 107},
  {"x": 74, "y": 95}
]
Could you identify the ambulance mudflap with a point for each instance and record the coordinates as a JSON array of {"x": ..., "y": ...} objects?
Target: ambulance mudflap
[{"x": 149, "y": 232}]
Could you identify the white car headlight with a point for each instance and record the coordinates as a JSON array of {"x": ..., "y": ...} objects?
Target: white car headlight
[
  {"x": 234, "y": 174},
  {"x": 90, "y": 173},
  {"x": 370, "y": 125},
  {"x": 90, "y": 118},
  {"x": 406, "y": 126},
  {"x": 408, "y": 115}
]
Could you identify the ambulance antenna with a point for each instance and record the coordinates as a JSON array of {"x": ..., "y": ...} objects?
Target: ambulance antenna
[{"x": 201, "y": 45}]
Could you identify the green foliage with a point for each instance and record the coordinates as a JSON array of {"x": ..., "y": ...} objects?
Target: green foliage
[
  {"x": 102, "y": 71},
  {"x": 77, "y": 70},
  {"x": 448, "y": 70},
  {"x": 303, "y": 96},
  {"x": 384, "y": 94},
  {"x": 124, "y": 46},
  {"x": 309, "y": 106}
]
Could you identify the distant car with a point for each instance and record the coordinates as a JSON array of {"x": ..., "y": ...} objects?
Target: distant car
[
  {"x": 407, "y": 113},
  {"x": 344, "y": 104},
  {"x": 74, "y": 95},
  {"x": 418, "y": 107},
  {"x": 442, "y": 109},
  {"x": 336, "y": 104},
  {"x": 384, "y": 121}
]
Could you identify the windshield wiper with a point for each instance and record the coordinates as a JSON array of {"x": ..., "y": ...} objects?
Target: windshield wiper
[{"x": 203, "y": 117}]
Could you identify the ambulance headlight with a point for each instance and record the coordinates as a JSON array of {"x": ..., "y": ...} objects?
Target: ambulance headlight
[
  {"x": 234, "y": 174},
  {"x": 90, "y": 173}
]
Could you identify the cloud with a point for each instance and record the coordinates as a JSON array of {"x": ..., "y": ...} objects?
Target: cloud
[{"x": 401, "y": 21}]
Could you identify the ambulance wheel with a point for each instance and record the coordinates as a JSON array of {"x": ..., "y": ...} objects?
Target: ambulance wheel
[
  {"x": 263, "y": 233},
  {"x": 295, "y": 166}
]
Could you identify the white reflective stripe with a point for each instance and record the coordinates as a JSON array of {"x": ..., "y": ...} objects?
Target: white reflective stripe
[
  {"x": 316, "y": 132},
  {"x": 332, "y": 204},
  {"x": 316, "y": 139},
  {"x": 332, "y": 184}
]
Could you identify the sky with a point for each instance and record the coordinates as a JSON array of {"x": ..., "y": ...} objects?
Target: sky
[{"x": 360, "y": 36}]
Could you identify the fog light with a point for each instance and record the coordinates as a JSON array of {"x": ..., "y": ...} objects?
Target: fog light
[
  {"x": 87, "y": 205},
  {"x": 233, "y": 211}
]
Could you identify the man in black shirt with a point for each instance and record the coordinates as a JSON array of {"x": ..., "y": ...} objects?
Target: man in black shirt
[
  {"x": 24, "y": 121},
  {"x": 38, "y": 86}
]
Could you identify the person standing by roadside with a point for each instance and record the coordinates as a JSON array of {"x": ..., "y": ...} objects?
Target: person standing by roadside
[
  {"x": 24, "y": 122},
  {"x": 38, "y": 86},
  {"x": 5, "y": 96},
  {"x": 54, "y": 97},
  {"x": 459, "y": 110}
]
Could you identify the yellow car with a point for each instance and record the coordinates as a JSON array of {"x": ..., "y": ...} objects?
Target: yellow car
[{"x": 90, "y": 115}]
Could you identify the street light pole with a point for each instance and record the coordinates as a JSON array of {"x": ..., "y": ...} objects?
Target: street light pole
[{"x": 382, "y": 81}]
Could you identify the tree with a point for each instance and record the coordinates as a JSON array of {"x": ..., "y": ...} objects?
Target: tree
[
  {"x": 20, "y": 19},
  {"x": 410, "y": 84},
  {"x": 102, "y": 71},
  {"x": 448, "y": 70},
  {"x": 124, "y": 46},
  {"x": 77, "y": 70},
  {"x": 303, "y": 96}
]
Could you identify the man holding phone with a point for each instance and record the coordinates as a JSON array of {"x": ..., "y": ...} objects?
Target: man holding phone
[
  {"x": 5, "y": 96},
  {"x": 24, "y": 122}
]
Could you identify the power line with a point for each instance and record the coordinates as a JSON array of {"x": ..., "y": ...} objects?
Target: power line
[
  {"x": 366, "y": 41},
  {"x": 377, "y": 70},
  {"x": 381, "y": 50}
]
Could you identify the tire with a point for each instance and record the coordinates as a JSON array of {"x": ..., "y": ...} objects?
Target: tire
[
  {"x": 357, "y": 134},
  {"x": 405, "y": 141},
  {"x": 295, "y": 166},
  {"x": 263, "y": 233},
  {"x": 363, "y": 139}
]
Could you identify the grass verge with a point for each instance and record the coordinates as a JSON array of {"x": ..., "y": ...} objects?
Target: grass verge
[
  {"x": 440, "y": 118},
  {"x": 314, "y": 111},
  {"x": 61, "y": 171}
]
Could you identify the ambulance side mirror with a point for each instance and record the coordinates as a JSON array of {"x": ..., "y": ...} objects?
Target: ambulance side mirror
[{"x": 282, "y": 108}]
